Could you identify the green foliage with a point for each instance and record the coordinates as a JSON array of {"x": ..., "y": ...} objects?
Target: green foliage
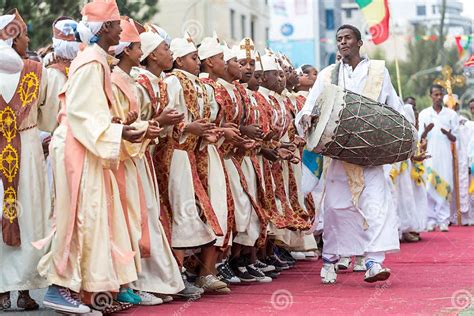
[
  {"x": 418, "y": 71},
  {"x": 40, "y": 14}
]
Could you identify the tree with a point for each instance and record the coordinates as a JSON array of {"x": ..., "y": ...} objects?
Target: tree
[
  {"x": 422, "y": 66},
  {"x": 40, "y": 14}
]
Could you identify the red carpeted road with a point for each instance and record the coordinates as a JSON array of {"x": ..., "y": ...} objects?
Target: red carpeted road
[{"x": 433, "y": 276}]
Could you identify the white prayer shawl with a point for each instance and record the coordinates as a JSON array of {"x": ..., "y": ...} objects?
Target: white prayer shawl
[
  {"x": 439, "y": 146},
  {"x": 343, "y": 224},
  {"x": 465, "y": 135}
]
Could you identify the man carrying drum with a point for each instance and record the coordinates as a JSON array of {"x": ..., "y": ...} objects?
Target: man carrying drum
[{"x": 359, "y": 212}]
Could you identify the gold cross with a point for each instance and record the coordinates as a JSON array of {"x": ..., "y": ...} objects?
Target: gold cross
[
  {"x": 258, "y": 58},
  {"x": 448, "y": 82},
  {"x": 248, "y": 47},
  {"x": 190, "y": 39}
]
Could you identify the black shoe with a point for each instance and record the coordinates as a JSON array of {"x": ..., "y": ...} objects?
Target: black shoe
[
  {"x": 243, "y": 274},
  {"x": 257, "y": 274},
  {"x": 264, "y": 267},
  {"x": 272, "y": 274},
  {"x": 286, "y": 257},
  {"x": 276, "y": 262},
  {"x": 226, "y": 273}
]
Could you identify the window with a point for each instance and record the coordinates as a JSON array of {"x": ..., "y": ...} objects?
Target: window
[
  {"x": 330, "y": 19},
  {"x": 252, "y": 27},
  {"x": 434, "y": 9},
  {"x": 232, "y": 23},
  {"x": 267, "y": 35},
  {"x": 348, "y": 13},
  {"x": 243, "y": 21},
  {"x": 421, "y": 10}
]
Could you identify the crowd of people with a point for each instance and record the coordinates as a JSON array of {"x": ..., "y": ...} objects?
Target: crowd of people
[{"x": 152, "y": 168}]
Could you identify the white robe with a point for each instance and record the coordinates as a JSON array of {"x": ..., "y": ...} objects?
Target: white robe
[
  {"x": 439, "y": 147},
  {"x": 343, "y": 223},
  {"x": 465, "y": 133},
  {"x": 34, "y": 198}
]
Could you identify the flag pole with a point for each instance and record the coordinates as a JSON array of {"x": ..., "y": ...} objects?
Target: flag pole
[{"x": 397, "y": 66}]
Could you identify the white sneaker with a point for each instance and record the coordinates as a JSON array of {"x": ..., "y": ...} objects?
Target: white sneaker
[
  {"x": 149, "y": 299},
  {"x": 310, "y": 254},
  {"x": 328, "y": 273},
  {"x": 297, "y": 255},
  {"x": 376, "y": 273},
  {"x": 359, "y": 264},
  {"x": 430, "y": 228},
  {"x": 443, "y": 228},
  {"x": 343, "y": 263}
]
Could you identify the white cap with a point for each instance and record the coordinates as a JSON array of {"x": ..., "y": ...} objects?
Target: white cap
[
  {"x": 284, "y": 59},
  {"x": 210, "y": 46},
  {"x": 270, "y": 62},
  {"x": 446, "y": 98},
  {"x": 150, "y": 41},
  {"x": 229, "y": 53},
  {"x": 245, "y": 49},
  {"x": 182, "y": 46},
  {"x": 155, "y": 28}
]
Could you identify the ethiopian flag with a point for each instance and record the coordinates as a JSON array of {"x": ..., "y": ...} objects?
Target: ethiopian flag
[{"x": 377, "y": 16}]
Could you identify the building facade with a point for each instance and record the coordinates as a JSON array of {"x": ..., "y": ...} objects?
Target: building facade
[{"x": 231, "y": 19}]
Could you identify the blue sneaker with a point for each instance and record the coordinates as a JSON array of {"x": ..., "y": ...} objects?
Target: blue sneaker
[
  {"x": 128, "y": 296},
  {"x": 61, "y": 299}
]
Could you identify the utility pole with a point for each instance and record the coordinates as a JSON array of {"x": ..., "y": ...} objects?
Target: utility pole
[{"x": 441, "y": 33}]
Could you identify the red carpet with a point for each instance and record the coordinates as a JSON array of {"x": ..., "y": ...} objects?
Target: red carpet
[{"x": 433, "y": 276}]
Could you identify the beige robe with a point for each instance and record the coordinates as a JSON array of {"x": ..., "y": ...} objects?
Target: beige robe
[
  {"x": 100, "y": 257},
  {"x": 159, "y": 273}
]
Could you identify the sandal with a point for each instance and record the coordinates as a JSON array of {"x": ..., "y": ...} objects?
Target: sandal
[
  {"x": 26, "y": 302},
  {"x": 5, "y": 302}
]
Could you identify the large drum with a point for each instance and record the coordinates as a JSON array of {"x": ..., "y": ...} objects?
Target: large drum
[{"x": 359, "y": 130}]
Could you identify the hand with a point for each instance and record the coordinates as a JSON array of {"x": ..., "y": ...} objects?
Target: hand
[
  {"x": 422, "y": 156},
  {"x": 290, "y": 146},
  {"x": 199, "y": 127},
  {"x": 429, "y": 127},
  {"x": 153, "y": 130},
  {"x": 132, "y": 116},
  {"x": 212, "y": 136},
  {"x": 116, "y": 120},
  {"x": 45, "y": 144},
  {"x": 299, "y": 141},
  {"x": 169, "y": 117},
  {"x": 232, "y": 134},
  {"x": 295, "y": 160},
  {"x": 130, "y": 133},
  {"x": 247, "y": 144},
  {"x": 230, "y": 125},
  {"x": 423, "y": 144},
  {"x": 269, "y": 136},
  {"x": 448, "y": 134},
  {"x": 252, "y": 131},
  {"x": 307, "y": 121},
  {"x": 284, "y": 153},
  {"x": 269, "y": 154}
]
